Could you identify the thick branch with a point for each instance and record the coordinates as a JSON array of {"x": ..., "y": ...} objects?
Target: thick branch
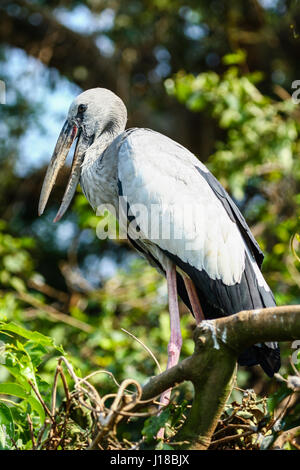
[
  {"x": 211, "y": 368},
  {"x": 258, "y": 326}
]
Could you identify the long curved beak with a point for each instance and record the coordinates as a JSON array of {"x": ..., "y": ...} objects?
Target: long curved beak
[
  {"x": 74, "y": 177},
  {"x": 65, "y": 139},
  {"x": 62, "y": 147}
]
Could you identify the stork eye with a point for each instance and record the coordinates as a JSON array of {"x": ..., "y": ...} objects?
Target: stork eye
[{"x": 82, "y": 108}]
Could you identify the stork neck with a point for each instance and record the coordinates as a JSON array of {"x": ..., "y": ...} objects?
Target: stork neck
[
  {"x": 99, "y": 170},
  {"x": 101, "y": 142}
]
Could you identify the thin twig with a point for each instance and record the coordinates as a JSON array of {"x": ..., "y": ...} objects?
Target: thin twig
[
  {"x": 46, "y": 409},
  {"x": 103, "y": 372},
  {"x": 231, "y": 426},
  {"x": 108, "y": 420},
  {"x": 31, "y": 432},
  {"x": 53, "y": 313},
  {"x": 294, "y": 367},
  {"x": 40, "y": 434},
  {"x": 53, "y": 400},
  {"x": 231, "y": 438},
  {"x": 65, "y": 384},
  {"x": 48, "y": 290},
  {"x": 145, "y": 347}
]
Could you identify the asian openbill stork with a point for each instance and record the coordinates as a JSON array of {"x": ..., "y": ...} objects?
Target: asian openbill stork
[{"x": 219, "y": 274}]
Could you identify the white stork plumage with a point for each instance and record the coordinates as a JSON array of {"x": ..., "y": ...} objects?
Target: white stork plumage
[{"x": 214, "y": 263}]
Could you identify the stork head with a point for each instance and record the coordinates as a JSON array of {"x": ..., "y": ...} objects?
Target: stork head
[{"x": 92, "y": 115}]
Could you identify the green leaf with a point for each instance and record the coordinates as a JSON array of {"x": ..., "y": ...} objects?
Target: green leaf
[
  {"x": 267, "y": 442},
  {"x": 276, "y": 398},
  {"x": 7, "y": 428},
  {"x": 17, "y": 390},
  {"x": 152, "y": 425},
  {"x": 162, "y": 446},
  {"x": 36, "y": 352},
  {"x": 18, "y": 284},
  {"x": 32, "y": 335},
  {"x": 13, "y": 389},
  {"x": 36, "y": 406},
  {"x": 15, "y": 262},
  {"x": 238, "y": 57},
  {"x": 245, "y": 414}
]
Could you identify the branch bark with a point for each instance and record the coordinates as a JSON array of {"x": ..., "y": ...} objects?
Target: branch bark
[{"x": 211, "y": 368}]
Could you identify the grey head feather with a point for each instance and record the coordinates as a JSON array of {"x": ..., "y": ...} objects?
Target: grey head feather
[{"x": 104, "y": 110}]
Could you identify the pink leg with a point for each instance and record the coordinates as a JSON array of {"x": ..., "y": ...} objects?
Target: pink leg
[
  {"x": 194, "y": 299},
  {"x": 175, "y": 342}
]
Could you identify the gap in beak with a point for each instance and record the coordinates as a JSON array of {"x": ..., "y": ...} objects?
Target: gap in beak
[
  {"x": 64, "y": 173},
  {"x": 69, "y": 159}
]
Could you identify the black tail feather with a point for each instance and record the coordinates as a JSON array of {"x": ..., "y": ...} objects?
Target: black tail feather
[
  {"x": 218, "y": 300},
  {"x": 267, "y": 357}
]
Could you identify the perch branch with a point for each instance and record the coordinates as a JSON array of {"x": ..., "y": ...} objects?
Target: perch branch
[{"x": 211, "y": 368}]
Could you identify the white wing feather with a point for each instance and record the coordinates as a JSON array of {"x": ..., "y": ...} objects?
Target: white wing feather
[{"x": 155, "y": 170}]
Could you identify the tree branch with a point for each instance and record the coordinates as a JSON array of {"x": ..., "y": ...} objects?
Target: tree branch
[{"x": 211, "y": 368}]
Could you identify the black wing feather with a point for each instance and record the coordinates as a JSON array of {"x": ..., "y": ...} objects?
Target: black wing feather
[
  {"x": 216, "y": 298},
  {"x": 234, "y": 214}
]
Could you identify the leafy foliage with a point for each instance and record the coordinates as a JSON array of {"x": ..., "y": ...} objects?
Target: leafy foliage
[
  {"x": 20, "y": 406},
  {"x": 53, "y": 290}
]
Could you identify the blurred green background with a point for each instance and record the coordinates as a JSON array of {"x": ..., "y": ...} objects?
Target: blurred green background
[{"x": 215, "y": 76}]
